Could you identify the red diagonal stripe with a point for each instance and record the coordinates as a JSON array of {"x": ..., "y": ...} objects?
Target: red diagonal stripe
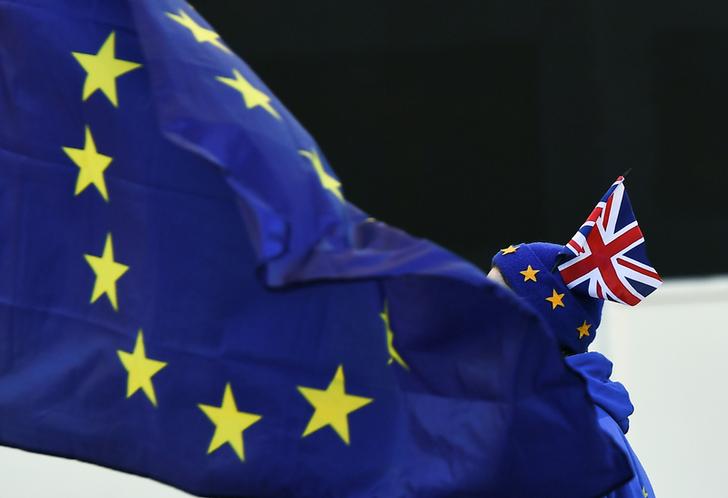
[
  {"x": 638, "y": 269},
  {"x": 611, "y": 279},
  {"x": 594, "y": 215},
  {"x": 576, "y": 246},
  {"x": 620, "y": 243}
]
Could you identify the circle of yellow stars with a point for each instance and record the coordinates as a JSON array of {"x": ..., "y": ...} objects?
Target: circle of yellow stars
[{"x": 332, "y": 405}]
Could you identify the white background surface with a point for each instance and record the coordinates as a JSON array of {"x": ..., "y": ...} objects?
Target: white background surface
[{"x": 669, "y": 352}]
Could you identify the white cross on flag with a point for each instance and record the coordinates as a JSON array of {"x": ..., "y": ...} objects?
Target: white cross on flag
[{"x": 609, "y": 259}]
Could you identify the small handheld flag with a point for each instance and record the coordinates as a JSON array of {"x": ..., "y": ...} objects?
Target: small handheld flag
[{"x": 608, "y": 257}]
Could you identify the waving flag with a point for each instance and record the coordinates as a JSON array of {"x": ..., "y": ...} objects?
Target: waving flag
[
  {"x": 186, "y": 293},
  {"x": 609, "y": 258}
]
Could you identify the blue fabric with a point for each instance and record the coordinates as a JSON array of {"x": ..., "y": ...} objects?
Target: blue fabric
[
  {"x": 611, "y": 396},
  {"x": 613, "y": 410},
  {"x": 578, "y": 309},
  {"x": 250, "y": 281}
]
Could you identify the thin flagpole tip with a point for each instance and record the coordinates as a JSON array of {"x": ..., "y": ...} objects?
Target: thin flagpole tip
[{"x": 626, "y": 173}]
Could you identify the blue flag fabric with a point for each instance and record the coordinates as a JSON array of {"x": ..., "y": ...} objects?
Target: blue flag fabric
[{"x": 186, "y": 294}]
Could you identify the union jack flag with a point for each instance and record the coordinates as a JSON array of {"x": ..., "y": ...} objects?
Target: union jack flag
[{"x": 609, "y": 260}]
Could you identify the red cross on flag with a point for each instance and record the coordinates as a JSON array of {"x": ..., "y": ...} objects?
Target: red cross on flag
[{"x": 609, "y": 258}]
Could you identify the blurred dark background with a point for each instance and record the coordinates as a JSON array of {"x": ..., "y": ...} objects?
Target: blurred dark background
[{"x": 479, "y": 123}]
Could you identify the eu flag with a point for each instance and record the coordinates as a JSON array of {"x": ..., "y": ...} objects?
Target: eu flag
[{"x": 186, "y": 294}]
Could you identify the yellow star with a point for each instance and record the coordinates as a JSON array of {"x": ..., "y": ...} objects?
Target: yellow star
[
  {"x": 107, "y": 273},
  {"x": 583, "y": 329},
  {"x": 102, "y": 69},
  {"x": 644, "y": 492},
  {"x": 509, "y": 250},
  {"x": 393, "y": 353},
  {"x": 229, "y": 423},
  {"x": 332, "y": 406},
  {"x": 251, "y": 95},
  {"x": 141, "y": 369},
  {"x": 529, "y": 274},
  {"x": 555, "y": 300},
  {"x": 327, "y": 181},
  {"x": 201, "y": 34},
  {"x": 91, "y": 166}
]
